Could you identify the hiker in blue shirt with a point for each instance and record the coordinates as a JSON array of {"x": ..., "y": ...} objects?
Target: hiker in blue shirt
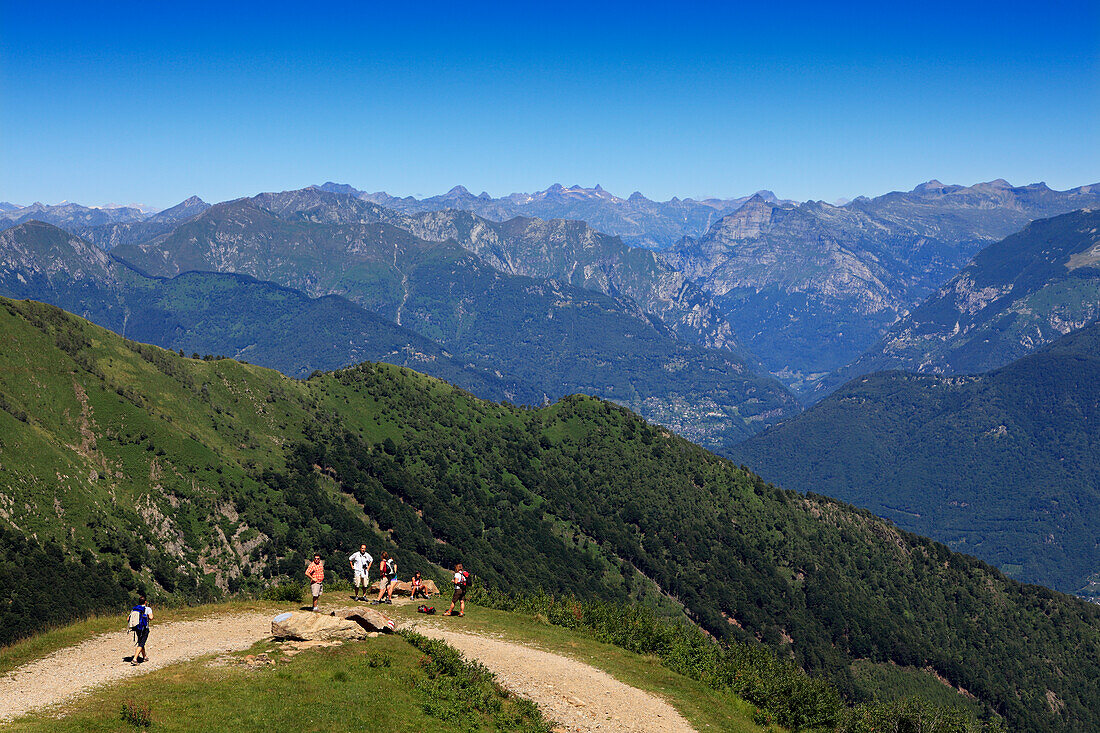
[{"x": 140, "y": 616}]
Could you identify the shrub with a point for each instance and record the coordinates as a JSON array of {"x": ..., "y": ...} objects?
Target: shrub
[
  {"x": 288, "y": 591},
  {"x": 457, "y": 691},
  {"x": 137, "y": 715}
]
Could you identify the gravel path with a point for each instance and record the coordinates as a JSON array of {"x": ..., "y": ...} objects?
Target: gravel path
[
  {"x": 577, "y": 696},
  {"x": 69, "y": 672}
]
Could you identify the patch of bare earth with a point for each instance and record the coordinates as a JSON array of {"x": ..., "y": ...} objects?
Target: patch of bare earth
[{"x": 576, "y": 695}]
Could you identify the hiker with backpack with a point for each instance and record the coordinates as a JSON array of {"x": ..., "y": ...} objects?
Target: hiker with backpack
[
  {"x": 461, "y": 581},
  {"x": 387, "y": 569},
  {"x": 140, "y": 616},
  {"x": 360, "y": 566},
  {"x": 315, "y": 571}
]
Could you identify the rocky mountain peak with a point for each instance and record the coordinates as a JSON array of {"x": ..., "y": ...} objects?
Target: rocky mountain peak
[{"x": 929, "y": 187}]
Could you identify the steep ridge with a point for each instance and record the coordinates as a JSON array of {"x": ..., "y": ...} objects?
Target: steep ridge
[
  {"x": 574, "y": 252},
  {"x": 809, "y": 287},
  {"x": 556, "y": 338},
  {"x": 1003, "y": 465},
  {"x": 197, "y": 475},
  {"x": 1015, "y": 296},
  {"x": 227, "y": 314}
]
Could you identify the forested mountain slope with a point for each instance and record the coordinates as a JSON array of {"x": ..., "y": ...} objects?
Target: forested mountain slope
[
  {"x": 809, "y": 287},
  {"x": 1004, "y": 466},
  {"x": 555, "y": 338},
  {"x": 1016, "y": 295},
  {"x": 126, "y": 459},
  {"x": 224, "y": 314}
]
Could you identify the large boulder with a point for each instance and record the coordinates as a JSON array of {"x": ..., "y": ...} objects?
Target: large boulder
[
  {"x": 371, "y": 620},
  {"x": 404, "y": 588},
  {"x": 307, "y": 626}
]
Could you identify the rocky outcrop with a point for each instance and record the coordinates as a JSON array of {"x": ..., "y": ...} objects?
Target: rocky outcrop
[
  {"x": 307, "y": 626},
  {"x": 404, "y": 588},
  {"x": 346, "y": 625}
]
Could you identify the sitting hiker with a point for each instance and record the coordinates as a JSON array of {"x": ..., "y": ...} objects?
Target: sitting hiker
[
  {"x": 316, "y": 574},
  {"x": 387, "y": 569},
  {"x": 416, "y": 587},
  {"x": 461, "y": 581}
]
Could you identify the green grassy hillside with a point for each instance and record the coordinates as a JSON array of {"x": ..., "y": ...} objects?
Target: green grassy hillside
[
  {"x": 1004, "y": 466},
  {"x": 197, "y": 477}
]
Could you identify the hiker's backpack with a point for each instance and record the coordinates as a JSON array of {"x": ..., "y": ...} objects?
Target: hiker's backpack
[
  {"x": 138, "y": 620},
  {"x": 426, "y": 609},
  {"x": 465, "y": 577},
  {"x": 391, "y": 569}
]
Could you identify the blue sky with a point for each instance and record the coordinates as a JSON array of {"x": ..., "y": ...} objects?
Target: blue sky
[{"x": 154, "y": 102}]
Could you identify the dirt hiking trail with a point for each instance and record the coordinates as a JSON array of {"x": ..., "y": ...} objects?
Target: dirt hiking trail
[
  {"x": 579, "y": 697},
  {"x": 72, "y": 671}
]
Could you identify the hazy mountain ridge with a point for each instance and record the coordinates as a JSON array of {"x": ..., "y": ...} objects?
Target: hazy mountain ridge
[
  {"x": 223, "y": 314},
  {"x": 809, "y": 287},
  {"x": 1002, "y": 465},
  {"x": 71, "y": 215},
  {"x": 554, "y": 337},
  {"x": 1015, "y": 296},
  {"x": 639, "y": 221},
  {"x": 107, "y": 227}
]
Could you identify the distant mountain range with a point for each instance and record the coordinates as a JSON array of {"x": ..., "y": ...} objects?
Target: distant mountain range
[
  {"x": 806, "y": 288},
  {"x": 550, "y": 337},
  {"x": 223, "y": 314},
  {"x": 1004, "y": 466},
  {"x": 639, "y": 221},
  {"x": 810, "y": 287},
  {"x": 1015, "y": 296},
  {"x": 107, "y": 227}
]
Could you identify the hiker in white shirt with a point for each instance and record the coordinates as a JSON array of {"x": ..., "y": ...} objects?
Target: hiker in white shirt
[{"x": 360, "y": 565}]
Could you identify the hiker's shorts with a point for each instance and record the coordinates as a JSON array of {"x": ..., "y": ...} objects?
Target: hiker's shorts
[
  {"x": 460, "y": 593},
  {"x": 361, "y": 578},
  {"x": 142, "y": 635},
  {"x": 316, "y": 589}
]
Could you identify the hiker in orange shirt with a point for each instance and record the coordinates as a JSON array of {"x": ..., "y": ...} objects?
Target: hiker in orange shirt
[{"x": 316, "y": 574}]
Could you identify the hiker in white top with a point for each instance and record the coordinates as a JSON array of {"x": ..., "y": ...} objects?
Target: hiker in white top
[
  {"x": 140, "y": 616},
  {"x": 360, "y": 566}
]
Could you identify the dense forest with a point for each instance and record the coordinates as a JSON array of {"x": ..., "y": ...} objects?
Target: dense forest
[
  {"x": 1004, "y": 465},
  {"x": 158, "y": 465}
]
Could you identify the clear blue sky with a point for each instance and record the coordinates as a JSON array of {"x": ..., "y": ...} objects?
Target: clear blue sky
[{"x": 153, "y": 102}]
